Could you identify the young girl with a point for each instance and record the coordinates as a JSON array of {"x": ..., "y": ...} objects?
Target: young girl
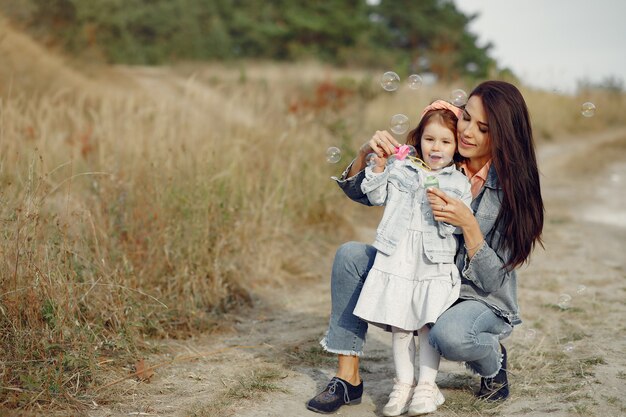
[{"x": 414, "y": 278}]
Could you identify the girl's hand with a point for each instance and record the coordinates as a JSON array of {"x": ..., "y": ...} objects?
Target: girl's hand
[
  {"x": 382, "y": 144},
  {"x": 449, "y": 209},
  {"x": 379, "y": 164}
]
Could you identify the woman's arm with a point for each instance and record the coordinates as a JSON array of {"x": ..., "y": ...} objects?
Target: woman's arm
[
  {"x": 351, "y": 185},
  {"x": 455, "y": 212},
  {"x": 466, "y": 198},
  {"x": 382, "y": 144},
  {"x": 486, "y": 268}
]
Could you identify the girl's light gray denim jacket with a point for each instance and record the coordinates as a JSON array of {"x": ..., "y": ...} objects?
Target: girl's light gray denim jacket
[
  {"x": 396, "y": 188},
  {"x": 483, "y": 277}
]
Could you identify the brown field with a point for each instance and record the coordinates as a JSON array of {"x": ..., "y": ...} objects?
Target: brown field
[{"x": 171, "y": 214}]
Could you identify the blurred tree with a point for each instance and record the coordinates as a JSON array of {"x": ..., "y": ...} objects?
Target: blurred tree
[
  {"x": 433, "y": 34},
  {"x": 425, "y": 35}
]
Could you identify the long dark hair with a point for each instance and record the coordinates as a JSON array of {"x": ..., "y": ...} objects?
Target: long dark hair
[
  {"x": 513, "y": 156},
  {"x": 446, "y": 117}
]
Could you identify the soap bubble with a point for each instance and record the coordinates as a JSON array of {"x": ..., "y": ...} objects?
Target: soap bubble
[
  {"x": 458, "y": 97},
  {"x": 530, "y": 334},
  {"x": 412, "y": 151},
  {"x": 333, "y": 155},
  {"x": 564, "y": 300},
  {"x": 390, "y": 81},
  {"x": 568, "y": 347},
  {"x": 581, "y": 289},
  {"x": 588, "y": 109},
  {"x": 414, "y": 81},
  {"x": 370, "y": 160},
  {"x": 399, "y": 124},
  {"x": 471, "y": 67}
]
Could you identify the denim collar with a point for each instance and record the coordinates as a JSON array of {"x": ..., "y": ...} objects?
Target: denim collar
[{"x": 492, "y": 179}]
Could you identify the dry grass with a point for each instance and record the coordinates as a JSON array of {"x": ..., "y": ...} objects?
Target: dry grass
[
  {"x": 146, "y": 203},
  {"x": 251, "y": 386},
  {"x": 134, "y": 215}
]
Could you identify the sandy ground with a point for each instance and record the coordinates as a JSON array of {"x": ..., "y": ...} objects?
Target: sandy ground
[{"x": 565, "y": 360}]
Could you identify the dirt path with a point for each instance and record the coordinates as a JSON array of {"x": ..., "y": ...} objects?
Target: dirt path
[{"x": 565, "y": 360}]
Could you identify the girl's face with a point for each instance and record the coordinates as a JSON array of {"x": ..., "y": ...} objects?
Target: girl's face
[
  {"x": 473, "y": 131},
  {"x": 438, "y": 144}
]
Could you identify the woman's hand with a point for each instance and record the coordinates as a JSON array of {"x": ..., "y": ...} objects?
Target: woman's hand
[
  {"x": 383, "y": 144},
  {"x": 449, "y": 209},
  {"x": 453, "y": 211}
]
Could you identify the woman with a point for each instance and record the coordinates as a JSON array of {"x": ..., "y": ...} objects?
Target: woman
[{"x": 495, "y": 138}]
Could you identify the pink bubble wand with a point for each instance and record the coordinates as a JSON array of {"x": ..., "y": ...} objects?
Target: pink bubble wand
[{"x": 402, "y": 152}]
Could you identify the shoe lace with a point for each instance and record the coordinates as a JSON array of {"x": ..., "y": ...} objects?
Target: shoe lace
[
  {"x": 491, "y": 385},
  {"x": 487, "y": 382},
  {"x": 332, "y": 388}
]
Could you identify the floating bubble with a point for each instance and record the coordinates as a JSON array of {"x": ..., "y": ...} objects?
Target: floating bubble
[
  {"x": 564, "y": 300},
  {"x": 399, "y": 124},
  {"x": 333, "y": 155},
  {"x": 414, "y": 81},
  {"x": 530, "y": 334},
  {"x": 390, "y": 81},
  {"x": 588, "y": 109},
  {"x": 370, "y": 159},
  {"x": 568, "y": 347},
  {"x": 412, "y": 151},
  {"x": 581, "y": 289},
  {"x": 471, "y": 67},
  {"x": 423, "y": 62},
  {"x": 458, "y": 97}
]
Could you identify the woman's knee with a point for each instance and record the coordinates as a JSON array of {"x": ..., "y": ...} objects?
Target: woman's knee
[
  {"x": 352, "y": 250},
  {"x": 355, "y": 258},
  {"x": 450, "y": 343}
]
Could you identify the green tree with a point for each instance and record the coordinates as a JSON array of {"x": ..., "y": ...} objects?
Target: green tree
[
  {"x": 425, "y": 35},
  {"x": 432, "y": 35}
]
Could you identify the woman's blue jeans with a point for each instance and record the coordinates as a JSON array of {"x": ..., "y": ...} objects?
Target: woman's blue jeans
[{"x": 469, "y": 331}]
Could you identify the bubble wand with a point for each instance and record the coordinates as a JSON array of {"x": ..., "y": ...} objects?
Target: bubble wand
[{"x": 408, "y": 151}]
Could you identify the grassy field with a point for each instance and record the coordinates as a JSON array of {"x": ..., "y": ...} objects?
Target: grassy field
[{"x": 141, "y": 203}]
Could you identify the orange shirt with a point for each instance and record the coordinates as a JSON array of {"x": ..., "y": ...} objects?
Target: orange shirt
[{"x": 478, "y": 179}]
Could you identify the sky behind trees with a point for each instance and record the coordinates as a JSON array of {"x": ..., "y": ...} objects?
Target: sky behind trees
[{"x": 553, "y": 44}]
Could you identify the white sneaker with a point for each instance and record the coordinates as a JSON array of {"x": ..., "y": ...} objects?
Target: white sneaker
[
  {"x": 399, "y": 399},
  {"x": 426, "y": 399}
]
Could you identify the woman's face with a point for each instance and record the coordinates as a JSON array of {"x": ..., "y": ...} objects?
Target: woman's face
[
  {"x": 473, "y": 131},
  {"x": 437, "y": 144}
]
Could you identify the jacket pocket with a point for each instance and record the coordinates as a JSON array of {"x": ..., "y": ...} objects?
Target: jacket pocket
[
  {"x": 452, "y": 192},
  {"x": 439, "y": 250}
]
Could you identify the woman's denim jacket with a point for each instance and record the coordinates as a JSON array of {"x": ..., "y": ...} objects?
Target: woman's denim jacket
[
  {"x": 483, "y": 277},
  {"x": 396, "y": 188}
]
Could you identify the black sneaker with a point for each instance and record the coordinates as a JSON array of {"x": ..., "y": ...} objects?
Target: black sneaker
[
  {"x": 496, "y": 388},
  {"x": 337, "y": 393}
]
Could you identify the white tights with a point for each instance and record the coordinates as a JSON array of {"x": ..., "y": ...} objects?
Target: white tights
[{"x": 403, "y": 346}]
